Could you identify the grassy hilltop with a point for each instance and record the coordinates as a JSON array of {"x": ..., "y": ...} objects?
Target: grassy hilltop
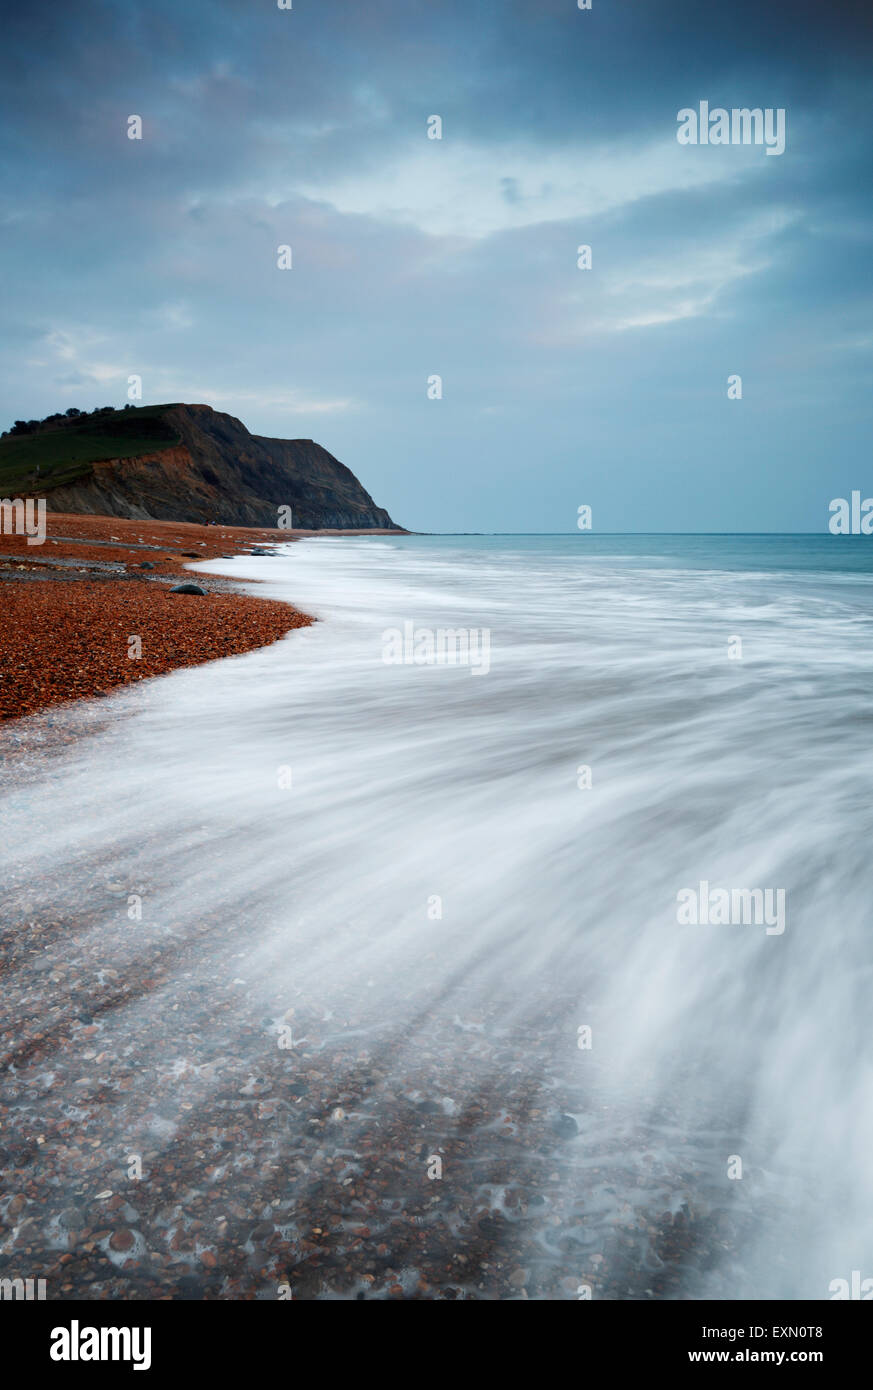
[{"x": 62, "y": 448}]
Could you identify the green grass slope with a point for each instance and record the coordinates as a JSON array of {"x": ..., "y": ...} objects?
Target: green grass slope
[{"x": 65, "y": 451}]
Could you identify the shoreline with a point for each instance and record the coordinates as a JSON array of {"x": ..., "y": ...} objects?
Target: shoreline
[{"x": 72, "y": 604}]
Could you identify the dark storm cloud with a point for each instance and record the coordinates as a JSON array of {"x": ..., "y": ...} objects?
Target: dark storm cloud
[{"x": 307, "y": 127}]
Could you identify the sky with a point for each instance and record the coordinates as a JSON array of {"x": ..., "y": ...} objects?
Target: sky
[{"x": 457, "y": 257}]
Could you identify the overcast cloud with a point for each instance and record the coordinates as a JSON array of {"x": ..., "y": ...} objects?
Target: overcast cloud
[{"x": 457, "y": 257}]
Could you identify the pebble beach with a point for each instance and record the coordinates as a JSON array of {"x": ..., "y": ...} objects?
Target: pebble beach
[{"x": 71, "y": 604}]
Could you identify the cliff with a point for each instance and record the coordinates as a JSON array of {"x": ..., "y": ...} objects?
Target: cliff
[{"x": 185, "y": 463}]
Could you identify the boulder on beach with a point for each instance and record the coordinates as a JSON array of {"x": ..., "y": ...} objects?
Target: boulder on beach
[
  {"x": 564, "y": 1126},
  {"x": 187, "y": 589}
]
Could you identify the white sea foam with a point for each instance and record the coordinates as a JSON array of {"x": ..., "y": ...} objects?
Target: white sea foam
[{"x": 412, "y": 784}]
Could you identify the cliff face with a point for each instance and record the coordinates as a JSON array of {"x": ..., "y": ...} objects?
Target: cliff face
[{"x": 219, "y": 472}]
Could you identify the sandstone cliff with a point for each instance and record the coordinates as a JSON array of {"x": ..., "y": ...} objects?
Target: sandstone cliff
[{"x": 216, "y": 472}]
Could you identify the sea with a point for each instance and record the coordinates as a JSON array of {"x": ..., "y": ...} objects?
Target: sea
[{"x": 506, "y": 933}]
